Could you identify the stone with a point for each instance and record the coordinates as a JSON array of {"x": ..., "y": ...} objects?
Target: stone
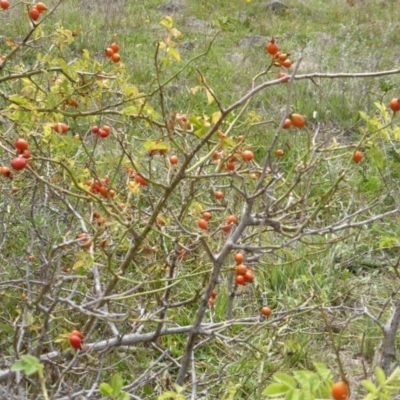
[
  {"x": 253, "y": 40},
  {"x": 172, "y": 7},
  {"x": 234, "y": 57},
  {"x": 197, "y": 24},
  {"x": 277, "y": 6},
  {"x": 186, "y": 47}
]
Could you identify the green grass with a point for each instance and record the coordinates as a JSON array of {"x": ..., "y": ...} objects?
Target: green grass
[{"x": 305, "y": 275}]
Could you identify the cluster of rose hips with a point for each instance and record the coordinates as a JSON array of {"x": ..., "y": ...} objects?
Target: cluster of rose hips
[
  {"x": 394, "y": 105},
  {"x": 112, "y": 53},
  {"x": 86, "y": 240},
  {"x": 173, "y": 160},
  {"x": 36, "y": 10},
  {"x": 71, "y": 102},
  {"x": 243, "y": 274},
  {"x": 227, "y": 227},
  {"x": 181, "y": 120},
  {"x": 280, "y": 59},
  {"x": 75, "y": 340},
  {"x": 246, "y": 155},
  {"x": 100, "y": 187},
  {"x": 137, "y": 178},
  {"x": 84, "y": 237},
  {"x": 161, "y": 152},
  {"x": 100, "y": 220},
  {"x": 21, "y": 161},
  {"x": 211, "y": 300},
  {"x": 103, "y": 132},
  {"x": 22, "y": 148}
]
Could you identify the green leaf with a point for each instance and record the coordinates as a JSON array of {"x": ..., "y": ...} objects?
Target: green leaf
[
  {"x": 18, "y": 366},
  {"x": 391, "y": 389},
  {"x": 167, "y": 395},
  {"x": 228, "y": 142},
  {"x": 6, "y": 329},
  {"x": 153, "y": 145},
  {"x": 382, "y": 108},
  {"x": 116, "y": 384},
  {"x": 394, "y": 375},
  {"x": 307, "y": 380},
  {"x": 387, "y": 241},
  {"x": 370, "y": 396},
  {"x": 28, "y": 364},
  {"x": 377, "y": 156},
  {"x": 323, "y": 372},
  {"x": 30, "y": 369},
  {"x": 396, "y": 132},
  {"x": 130, "y": 90},
  {"x": 276, "y": 389},
  {"x": 380, "y": 376},
  {"x": 105, "y": 389},
  {"x": 129, "y": 110},
  {"x": 324, "y": 392},
  {"x": 363, "y": 115},
  {"x": 124, "y": 396},
  {"x": 148, "y": 390},
  {"x": 369, "y": 386},
  {"x": 179, "y": 389},
  {"x": 31, "y": 360},
  {"x": 18, "y": 100},
  {"x": 286, "y": 379},
  {"x": 201, "y": 132},
  {"x": 383, "y": 396},
  {"x": 294, "y": 394}
]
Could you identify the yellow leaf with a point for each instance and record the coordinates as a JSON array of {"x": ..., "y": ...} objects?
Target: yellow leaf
[
  {"x": 176, "y": 33},
  {"x": 168, "y": 22},
  {"x": 396, "y": 132},
  {"x": 382, "y": 108},
  {"x": 254, "y": 117},
  {"x": 78, "y": 264},
  {"x": 47, "y": 130},
  {"x": 195, "y": 89},
  {"x": 130, "y": 90},
  {"x": 10, "y": 43},
  {"x": 196, "y": 208},
  {"x": 215, "y": 117},
  {"x": 175, "y": 53},
  {"x": 210, "y": 98},
  {"x": 134, "y": 187},
  {"x": 86, "y": 54}
]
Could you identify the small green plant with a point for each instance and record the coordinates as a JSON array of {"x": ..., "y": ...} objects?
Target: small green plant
[
  {"x": 29, "y": 365},
  {"x": 309, "y": 385},
  {"x": 176, "y": 395},
  {"x": 386, "y": 386},
  {"x": 114, "y": 389},
  {"x": 303, "y": 384}
]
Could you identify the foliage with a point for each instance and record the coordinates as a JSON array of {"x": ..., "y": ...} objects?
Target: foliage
[
  {"x": 104, "y": 233},
  {"x": 309, "y": 385}
]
